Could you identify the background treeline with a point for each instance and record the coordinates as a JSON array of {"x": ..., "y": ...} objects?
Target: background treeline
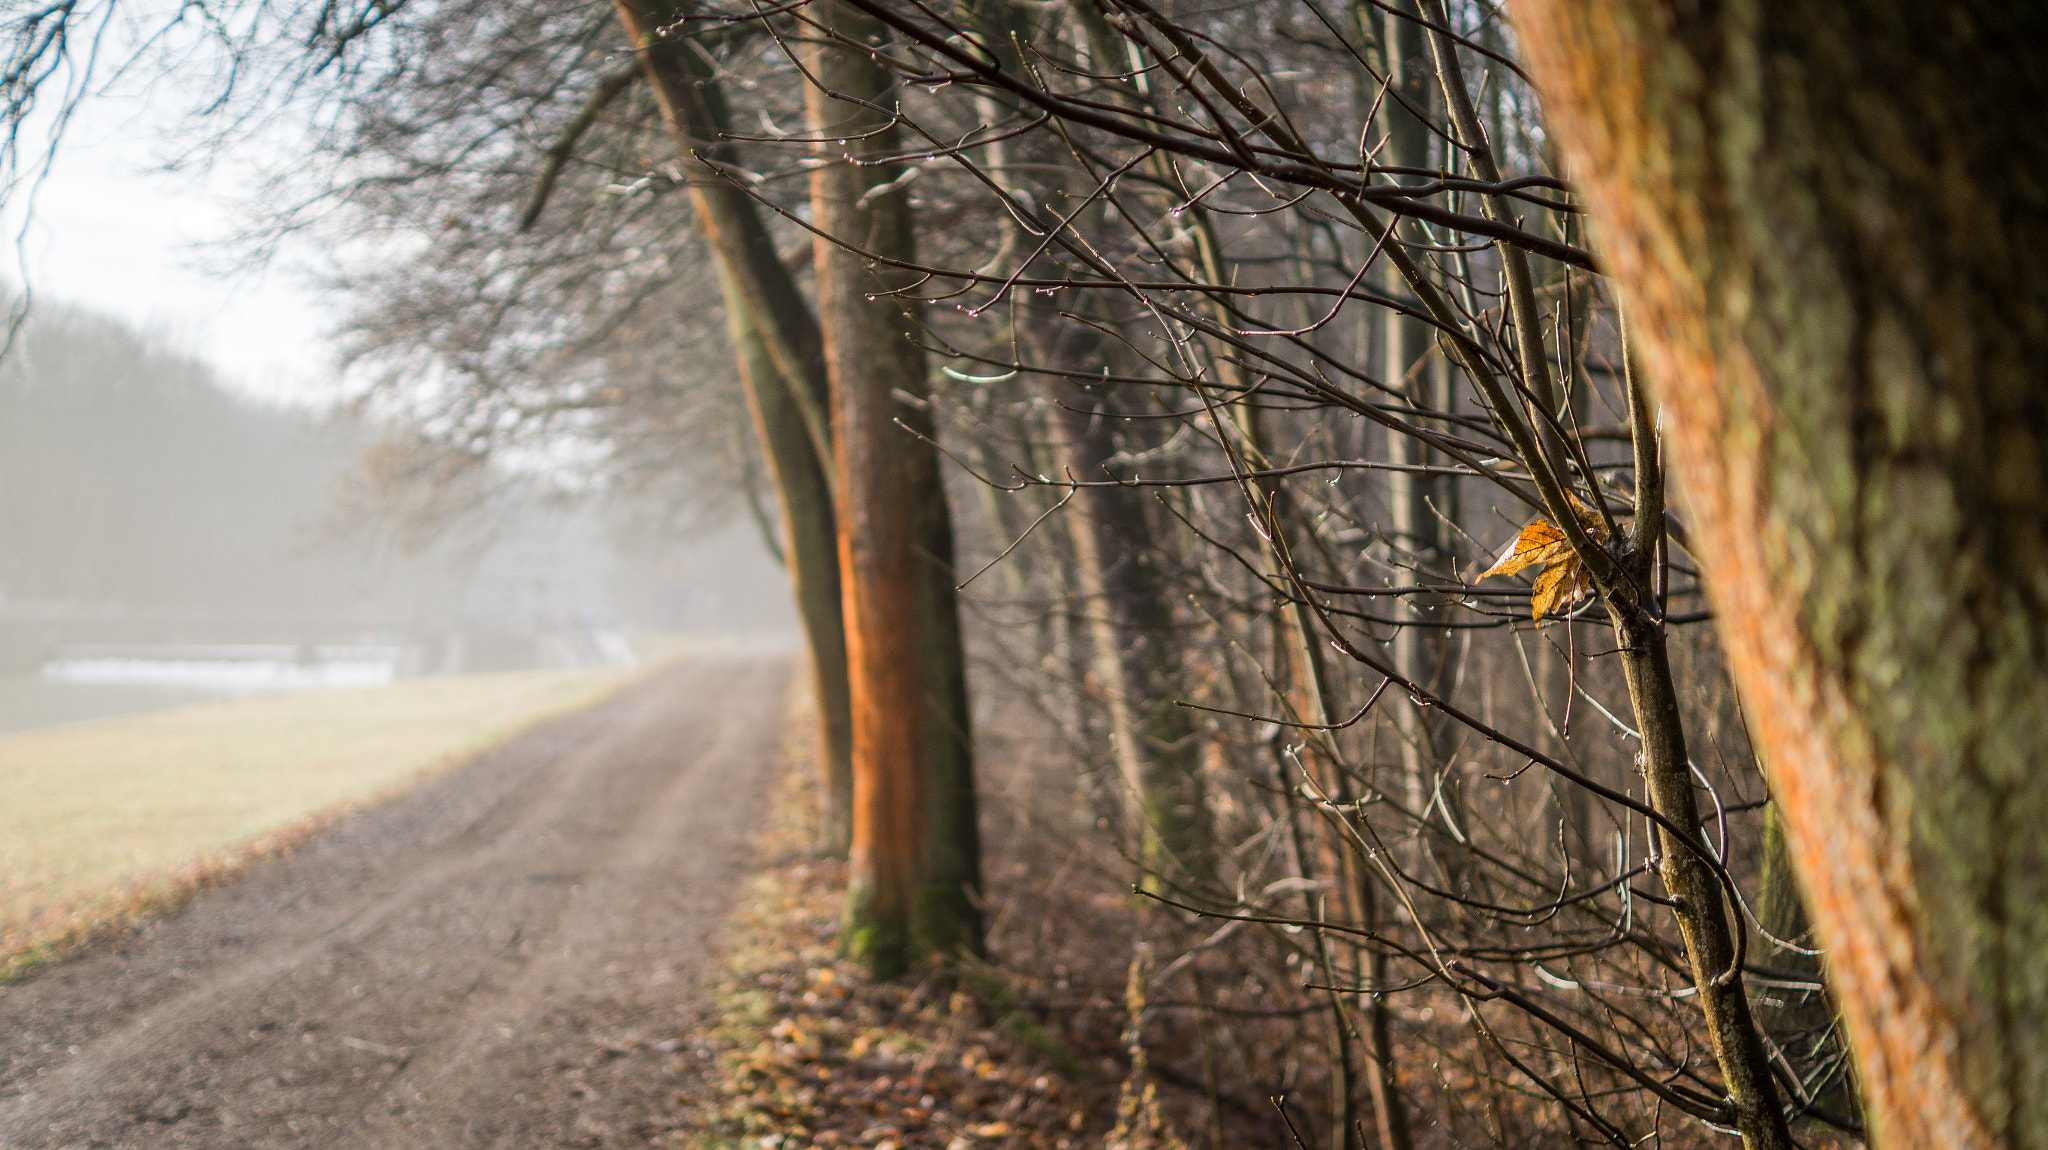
[
  {"x": 140, "y": 499},
  {"x": 132, "y": 479}
]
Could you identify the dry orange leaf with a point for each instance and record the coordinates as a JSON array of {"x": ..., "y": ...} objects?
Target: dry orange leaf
[
  {"x": 1564, "y": 580},
  {"x": 1539, "y": 542}
]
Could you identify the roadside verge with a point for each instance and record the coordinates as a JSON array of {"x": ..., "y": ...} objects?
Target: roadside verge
[{"x": 111, "y": 821}]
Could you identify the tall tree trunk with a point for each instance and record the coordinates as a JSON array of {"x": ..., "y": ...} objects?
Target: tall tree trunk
[
  {"x": 1421, "y": 506},
  {"x": 776, "y": 342},
  {"x": 1128, "y": 609},
  {"x": 1129, "y": 614},
  {"x": 916, "y": 854},
  {"x": 811, "y": 552},
  {"x": 1424, "y": 654},
  {"x": 1830, "y": 220}
]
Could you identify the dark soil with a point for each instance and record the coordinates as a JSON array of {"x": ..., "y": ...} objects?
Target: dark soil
[{"x": 515, "y": 955}]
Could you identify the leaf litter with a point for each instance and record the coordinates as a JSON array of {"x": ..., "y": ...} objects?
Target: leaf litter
[
  {"x": 807, "y": 1053},
  {"x": 1053, "y": 1044}
]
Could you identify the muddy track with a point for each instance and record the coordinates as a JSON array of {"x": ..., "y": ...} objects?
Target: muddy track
[{"x": 511, "y": 956}]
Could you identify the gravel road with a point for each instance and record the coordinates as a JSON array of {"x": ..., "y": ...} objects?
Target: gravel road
[{"x": 511, "y": 956}]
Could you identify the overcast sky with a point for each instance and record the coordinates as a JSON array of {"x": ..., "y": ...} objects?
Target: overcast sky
[{"x": 111, "y": 233}]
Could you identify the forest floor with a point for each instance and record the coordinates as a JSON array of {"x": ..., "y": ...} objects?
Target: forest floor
[
  {"x": 1030, "y": 1049},
  {"x": 807, "y": 1053}
]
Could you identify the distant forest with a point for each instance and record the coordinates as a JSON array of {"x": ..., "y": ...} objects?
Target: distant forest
[
  {"x": 129, "y": 477},
  {"x": 132, "y": 482}
]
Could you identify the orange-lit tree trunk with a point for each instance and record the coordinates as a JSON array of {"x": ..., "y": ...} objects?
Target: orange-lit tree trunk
[
  {"x": 1831, "y": 225},
  {"x": 777, "y": 346},
  {"x": 916, "y": 856}
]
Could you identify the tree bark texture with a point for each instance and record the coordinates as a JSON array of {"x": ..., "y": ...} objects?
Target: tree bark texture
[
  {"x": 1831, "y": 225},
  {"x": 776, "y": 341},
  {"x": 916, "y": 856},
  {"x": 1128, "y": 607}
]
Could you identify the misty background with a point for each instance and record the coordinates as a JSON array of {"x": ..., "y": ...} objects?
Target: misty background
[{"x": 166, "y": 538}]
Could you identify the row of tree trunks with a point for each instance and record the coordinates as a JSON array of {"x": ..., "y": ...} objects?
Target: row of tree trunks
[
  {"x": 1126, "y": 606},
  {"x": 842, "y": 411},
  {"x": 1305, "y": 752},
  {"x": 1321, "y": 848},
  {"x": 1829, "y": 225},
  {"x": 1834, "y": 245}
]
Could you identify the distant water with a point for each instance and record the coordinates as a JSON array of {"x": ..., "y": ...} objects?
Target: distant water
[
  {"x": 86, "y": 683},
  {"x": 228, "y": 676}
]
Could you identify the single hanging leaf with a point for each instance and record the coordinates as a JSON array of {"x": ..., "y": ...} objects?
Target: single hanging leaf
[
  {"x": 1564, "y": 580},
  {"x": 1539, "y": 542},
  {"x": 1560, "y": 585},
  {"x": 1549, "y": 586}
]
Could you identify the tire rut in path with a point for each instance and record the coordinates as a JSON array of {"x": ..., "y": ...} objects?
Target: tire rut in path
[{"x": 490, "y": 961}]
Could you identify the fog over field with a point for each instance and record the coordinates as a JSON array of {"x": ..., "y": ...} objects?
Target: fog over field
[{"x": 163, "y": 539}]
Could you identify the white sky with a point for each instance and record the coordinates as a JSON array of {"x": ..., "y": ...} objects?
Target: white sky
[{"x": 114, "y": 233}]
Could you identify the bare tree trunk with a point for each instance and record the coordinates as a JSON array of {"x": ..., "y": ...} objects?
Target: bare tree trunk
[
  {"x": 916, "y": 853},
  {"x": 1423, "y": 655},
  {"x": 1128, "y": 612},
  {"x": 1701, "y": 911},
  {"x": 1130, "y": 631},
  {"x": 1421, "y": 506},
  {"x": 1306, "y": 692},
  {"x": 1830, "y": 222},
  {"x": 812, "y": 557},
  {"x": 775, "y": 339}
]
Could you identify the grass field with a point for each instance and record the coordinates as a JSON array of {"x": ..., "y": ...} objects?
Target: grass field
[{"x": 106, "y": 819}]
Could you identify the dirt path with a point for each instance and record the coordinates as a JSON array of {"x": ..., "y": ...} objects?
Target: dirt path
[{"x": 513, "y": 956}]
